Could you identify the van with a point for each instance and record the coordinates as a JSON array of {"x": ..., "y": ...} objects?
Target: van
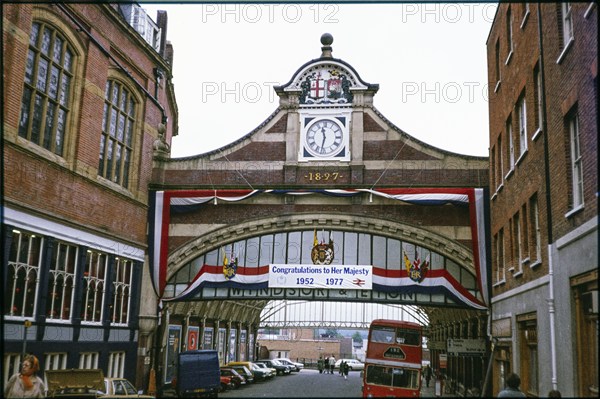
[{"x": 198, "y": 374}]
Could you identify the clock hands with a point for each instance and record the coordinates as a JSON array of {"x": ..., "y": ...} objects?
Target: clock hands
[{"x": 324, "y": 137}]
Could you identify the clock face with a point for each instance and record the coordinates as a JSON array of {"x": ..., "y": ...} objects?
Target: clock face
[{"x": 324, "y": 138}]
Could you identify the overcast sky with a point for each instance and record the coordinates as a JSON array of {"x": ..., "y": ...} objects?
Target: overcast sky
[{"x": 428, "y": 59}]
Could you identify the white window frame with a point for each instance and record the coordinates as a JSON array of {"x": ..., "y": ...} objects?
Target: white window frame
[
  {"x": 122, "y": 282},
  {"x": 59, "y": 272},
  {"x": 519, "y": 239},
  {"x": 567, "y": 21},
  {"x": 511, "y": 146},
  {"x": 537, "y": 78},
  {"x": 11, "y": 365},
  {"x": 93, "y": 283},
  {"x": 55, "y": 360},
  {"x": 31, "y": 270},
  {"x": 535, "y": 213},
  {"x": 509, "y": 34},
  {"x": 576, "y": 164},
  {"x": 522, "y": 115},
  {"x": 116, "y": 365},
  {"x": 500, "y": 257},
  {"x": 88, "y": 360}
]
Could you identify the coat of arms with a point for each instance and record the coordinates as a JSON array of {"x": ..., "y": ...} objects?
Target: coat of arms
[
  {"x": 416, "y": 271},
  {"x": 326, "y": 87},
  {"x": 229, "y": 266},
  {"x": 321, "y": 253}
]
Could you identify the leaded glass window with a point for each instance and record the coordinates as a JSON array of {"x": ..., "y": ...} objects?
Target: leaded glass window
[
  {"x": 47, "y": 88},
  {"x": 116, "y": 141}
]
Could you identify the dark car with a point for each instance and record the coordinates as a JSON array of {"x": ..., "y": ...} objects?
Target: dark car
[
  {"x": 244, "y": 372},
  {"x": 236, "y": 379},
  {"x": 278, "y": 366}
]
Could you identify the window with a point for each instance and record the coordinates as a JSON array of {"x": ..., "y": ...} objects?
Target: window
[
  {"x": 122, "y": 291},
  {"x": 537, "y": 82},
  {"x": 61, "y": 282},
  {"x": 24, "y": 261},
  {"x": 509, "y": 34},
  {"x": 567, "y": 22},
  {"x": 522, "y": 112},
  {"x": 93, "y": 289},
  {"x": 88, "y": 360},
  {"x": 518, "y": 254},
  {"x": 55, "y": 361},
  {"x": 576, "y": 163},
  {"x": 499, "y": 245},
  {"x": 535, "y": 226},
  {"x": 47, "y": 87},
  {"x": 500, "y": 160},
  {"x": 117, "y": 134},
  {"x": 116, "y": 365},
  {"x": 498, "y": 76},
  {"x": 493, "y": 181},
  {"x": 525, "y": 14},
  {"x": 525, "y": 234},
  {"x": 11, "y": 365},
  {"x": 511, "y": 146}
]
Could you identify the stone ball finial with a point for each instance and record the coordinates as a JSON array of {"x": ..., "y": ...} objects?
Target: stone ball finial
[{"x": 326, "y": 39}]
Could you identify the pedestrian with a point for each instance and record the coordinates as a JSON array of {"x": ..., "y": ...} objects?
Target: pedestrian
[
  {"x": 326, "y": 362},
  {"x": 512, "y": 387},
  {"x": 331, "y": 364},
  {"x": 428, "y": 374},
  {"x": 341, "y": 371},
  {"x": 320, "y": 364},
  {"x": 26, "y": 383},
  {"x": 345, "y": 368}
]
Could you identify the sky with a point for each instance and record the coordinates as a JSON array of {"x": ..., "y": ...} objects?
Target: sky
[{"x": 429, "y": 61}]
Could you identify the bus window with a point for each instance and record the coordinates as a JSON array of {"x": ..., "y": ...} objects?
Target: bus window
[{"x": 382, "y": 334}]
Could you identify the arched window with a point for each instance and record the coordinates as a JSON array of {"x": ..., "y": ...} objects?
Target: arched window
[
  {"x": 47, "y": 88},
  {"x": 117, "y": 133}
]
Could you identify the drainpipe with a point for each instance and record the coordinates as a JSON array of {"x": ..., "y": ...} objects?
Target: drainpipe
[{"x": 550, "y": 299}]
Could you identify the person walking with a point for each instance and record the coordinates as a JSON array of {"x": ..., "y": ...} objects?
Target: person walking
[
  {"x": 512, "y": 387},
  {"x": 326, "y": 362},
  {"x": 331, "y": 364},
  {"x": 26, "y": 383},
  {"x": 345, "y": 367},
  {"x": 320, "y": 364},
  {"x": 428, "y": 374}
]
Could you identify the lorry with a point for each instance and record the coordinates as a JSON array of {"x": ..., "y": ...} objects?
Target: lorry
[{"x": 198, "y": 374}]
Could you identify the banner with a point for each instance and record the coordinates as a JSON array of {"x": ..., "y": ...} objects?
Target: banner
[{"x": 354, "y": 277}]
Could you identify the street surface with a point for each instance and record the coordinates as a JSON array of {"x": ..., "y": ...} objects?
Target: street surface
[{"x": 305, "y": 384}]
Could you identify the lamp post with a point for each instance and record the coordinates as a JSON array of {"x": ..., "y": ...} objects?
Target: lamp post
[{"x": 27, "y": 324}]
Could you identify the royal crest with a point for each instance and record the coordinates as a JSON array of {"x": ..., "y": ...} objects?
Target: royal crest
[
  {"x": 321, "y": 253},
  {"x": 416, "y": 271},
  {"x": 229, "y": 266}
]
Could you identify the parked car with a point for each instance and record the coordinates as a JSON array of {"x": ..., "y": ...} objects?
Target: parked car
[
  {"x": 89, "y": 383},
  {"x": 271, "y": 370},
  {"x": 243, "y": 371},
  {"x": 279, "y": 367},
  {"x": 296, "y": 365},
  {"x": 353, "y": 364},
  {"x": 226, "y": 383},
  {"x": 236, "y": 378},
  {"x": 258, "y": 373}
]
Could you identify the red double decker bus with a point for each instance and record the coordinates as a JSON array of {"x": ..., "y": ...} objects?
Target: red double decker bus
[{"x": 393, "y": 361}]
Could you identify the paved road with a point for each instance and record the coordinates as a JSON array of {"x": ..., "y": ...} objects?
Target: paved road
[{"x": 305, "y": 384}]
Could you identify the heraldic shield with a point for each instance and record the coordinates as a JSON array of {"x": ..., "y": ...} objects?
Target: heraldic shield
[
  {"x": 416, "y": 271},
  {"x": 229, "y": 267},
  {"x": 321, "y": 253}
]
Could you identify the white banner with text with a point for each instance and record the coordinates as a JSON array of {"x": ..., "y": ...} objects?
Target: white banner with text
[{"x": 356, "y": 277}]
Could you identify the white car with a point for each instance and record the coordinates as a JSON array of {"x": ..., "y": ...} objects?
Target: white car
[
  {"x": 353, "y": 364},
  {"x": 286, "y": 361}
]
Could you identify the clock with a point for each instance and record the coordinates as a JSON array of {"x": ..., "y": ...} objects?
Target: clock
[{"x": 324, "y": 138}]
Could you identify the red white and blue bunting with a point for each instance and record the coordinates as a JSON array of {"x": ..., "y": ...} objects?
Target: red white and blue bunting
[{"x": 163, "y": 203}]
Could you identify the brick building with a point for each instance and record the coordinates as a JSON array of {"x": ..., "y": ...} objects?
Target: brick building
[
  {"x": 88, "y": 101},
  {"x": 542, "y": 68}
]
